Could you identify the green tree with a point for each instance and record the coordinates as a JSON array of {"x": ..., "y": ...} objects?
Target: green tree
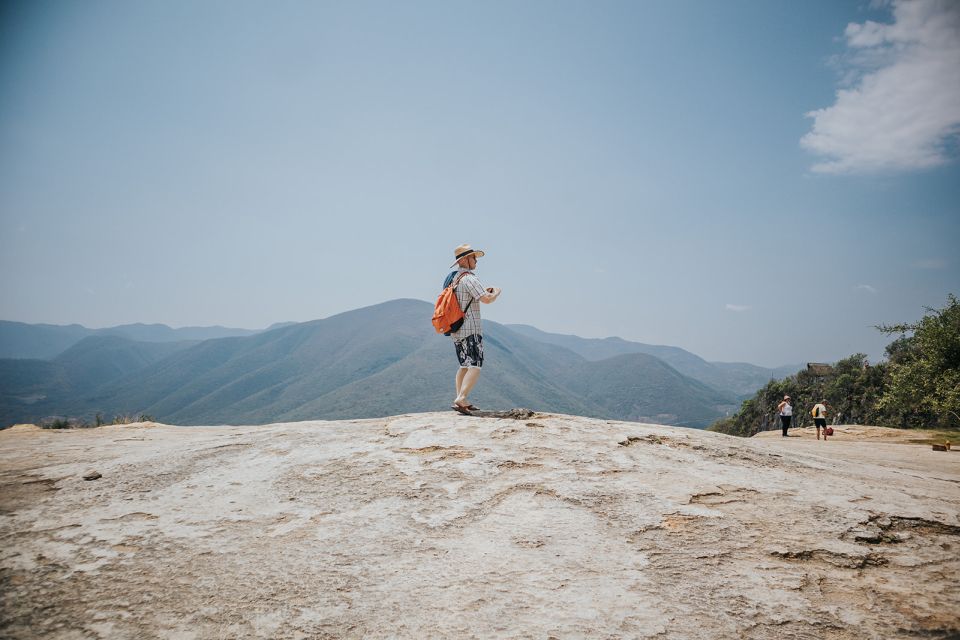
[
  {"x": 853, "y": 390},
  {"x": 923, "y": 386}
]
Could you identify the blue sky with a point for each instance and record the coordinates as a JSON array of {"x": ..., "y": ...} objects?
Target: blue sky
[{"x": 753, "y": 181}]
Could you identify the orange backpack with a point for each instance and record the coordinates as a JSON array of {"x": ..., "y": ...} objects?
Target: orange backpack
[{"x": 447, "y": 314}]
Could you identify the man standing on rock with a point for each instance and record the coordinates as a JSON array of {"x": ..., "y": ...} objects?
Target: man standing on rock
[{"x": 468, "y": 339}]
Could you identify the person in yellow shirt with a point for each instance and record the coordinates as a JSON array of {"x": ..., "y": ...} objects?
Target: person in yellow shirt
[{"x": 820, "y": 418}]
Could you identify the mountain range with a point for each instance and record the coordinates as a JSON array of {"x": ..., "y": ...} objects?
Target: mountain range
[
  {"x": 44, "y": 341},
  {"x": 370, "y": 362},
  {"x": 741, "y": 378}
]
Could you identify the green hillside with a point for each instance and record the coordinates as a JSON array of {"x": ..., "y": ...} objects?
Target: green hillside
[
  {"x": 99, "y": 359},
  {"x": 25, "y": 385},
  {"x": 643, "y": 388},
  {"x": 517, "y": 373},
  {"x": 31, "y": 388},
  {"x": 733, "y": 377}
]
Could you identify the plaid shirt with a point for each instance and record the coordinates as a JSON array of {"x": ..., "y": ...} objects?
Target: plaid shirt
[{"x": 469, "y": 289}]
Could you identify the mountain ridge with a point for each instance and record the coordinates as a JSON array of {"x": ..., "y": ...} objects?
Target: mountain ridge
[
  {"x": 46, "y": 341},
  {"x": 739, "y": 377},
  {"x": 366, "y": 362}
]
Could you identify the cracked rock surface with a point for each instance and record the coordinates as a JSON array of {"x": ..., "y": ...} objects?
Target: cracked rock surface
[{"x": 441, "y": 525}]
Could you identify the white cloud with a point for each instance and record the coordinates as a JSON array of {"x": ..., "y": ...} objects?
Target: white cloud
[
  {"x": 737, "y": 307},
  {"x": 930, "y": 263},
  {"x": 902, "y": 108},
  {"x": 867, "y": 288}
]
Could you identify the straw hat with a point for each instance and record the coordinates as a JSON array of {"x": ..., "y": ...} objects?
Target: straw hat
[{"x": 463, "y": 251}]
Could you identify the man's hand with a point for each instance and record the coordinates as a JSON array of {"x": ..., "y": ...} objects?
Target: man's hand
[{"x": 492, "y": 294}]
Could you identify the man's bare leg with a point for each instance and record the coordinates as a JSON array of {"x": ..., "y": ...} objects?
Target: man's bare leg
[
  {"x": 462, "y": 371},
  {"x": 470, "y": 378}
]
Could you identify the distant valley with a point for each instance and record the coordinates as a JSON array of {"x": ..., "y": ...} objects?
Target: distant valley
[{"x": 371, "y": 362}]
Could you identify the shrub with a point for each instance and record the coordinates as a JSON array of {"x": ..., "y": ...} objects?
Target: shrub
[{"x": 56, "y": 423}]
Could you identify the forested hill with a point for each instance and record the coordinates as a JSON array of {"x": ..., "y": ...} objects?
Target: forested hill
[{"x": 917, "y": 386}]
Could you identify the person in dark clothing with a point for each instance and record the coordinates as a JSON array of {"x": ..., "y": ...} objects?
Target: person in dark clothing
[{"x": 786, "y": 414}]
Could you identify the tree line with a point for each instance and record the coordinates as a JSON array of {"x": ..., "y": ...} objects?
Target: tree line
[{"x": 917, "y": 386}]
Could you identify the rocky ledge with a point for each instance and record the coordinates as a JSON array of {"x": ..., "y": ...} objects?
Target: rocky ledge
[{"x": 442, "y": 525}]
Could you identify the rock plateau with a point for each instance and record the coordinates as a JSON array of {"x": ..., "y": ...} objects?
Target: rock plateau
[{"x": 441, "y": 525}]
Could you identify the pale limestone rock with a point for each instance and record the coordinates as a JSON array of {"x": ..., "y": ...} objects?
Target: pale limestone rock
[{"x": 442, "y": 525}]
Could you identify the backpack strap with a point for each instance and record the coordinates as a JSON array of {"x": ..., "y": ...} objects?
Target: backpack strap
[
  {"x": 456, "y": 281},
  {"x": 460, "y": 277}
]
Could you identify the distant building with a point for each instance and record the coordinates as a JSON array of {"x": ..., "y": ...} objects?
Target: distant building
[{"x": 819, "y": 368}]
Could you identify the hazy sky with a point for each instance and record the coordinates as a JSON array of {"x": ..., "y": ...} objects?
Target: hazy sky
[{"x": 757, "y": 181}]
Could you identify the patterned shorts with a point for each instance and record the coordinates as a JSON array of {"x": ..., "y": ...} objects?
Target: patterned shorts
[{"x": 470, "y": 351}]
